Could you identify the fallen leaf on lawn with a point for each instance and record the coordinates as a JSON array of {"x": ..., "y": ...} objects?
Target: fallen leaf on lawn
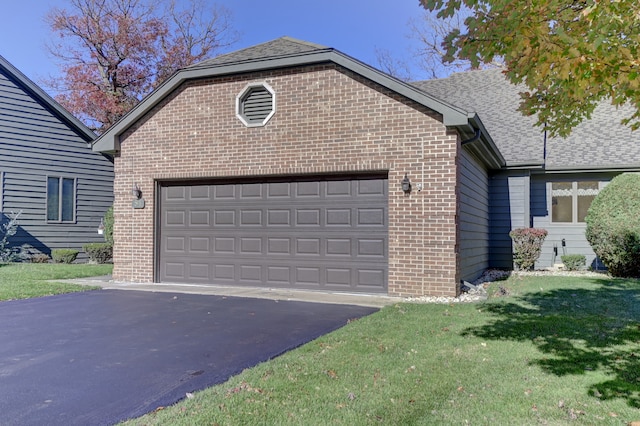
[
  {"x": 158, "y": 409},
  {"x": 331, "y": 374},
  {"x": 460, "y": 389},
  {"x": 483, "y": 344},
  {"x": 560, "y": 404},
  {"x": 189, "y": 395},
  {"x": 351, "y": 396},
  {"x": 411, "y": 369},
  {"x": 613, "y": 414},
  {"x": 244, "y": 386}
]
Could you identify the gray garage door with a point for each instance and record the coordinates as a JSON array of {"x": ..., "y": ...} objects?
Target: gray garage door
[{"x": 325, "y": 233}]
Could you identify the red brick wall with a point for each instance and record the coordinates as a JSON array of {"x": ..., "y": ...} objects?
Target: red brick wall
[{"x": 326, "y": 121}]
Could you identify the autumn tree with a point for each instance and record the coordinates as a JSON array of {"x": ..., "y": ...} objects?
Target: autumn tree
[
  {"x": 570, "y": 54},
  {"x": 114, "y": 52},
  {"x": 430, "y": 32}
]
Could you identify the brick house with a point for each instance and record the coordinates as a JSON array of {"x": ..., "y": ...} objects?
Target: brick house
[{"x": 282, "y": 165}]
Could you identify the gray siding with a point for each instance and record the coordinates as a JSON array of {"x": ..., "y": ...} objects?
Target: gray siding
[
  {"x": 473, "y": 218},
  {"x": 509, "y": 194},
  {"x": 520, "y": 200},
  {"x": 36, "y": 142},
  {"x": 572, "y": 233}
]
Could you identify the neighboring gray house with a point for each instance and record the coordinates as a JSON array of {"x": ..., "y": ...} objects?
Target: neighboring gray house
[
  {"x": 48, "y": 171},
  {"x": 547, "y": 182}
]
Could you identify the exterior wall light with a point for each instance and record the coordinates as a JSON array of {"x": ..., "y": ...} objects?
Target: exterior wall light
[
  {"x": 101, "y": 227},
  {"x": 138, "y": 201},
  {"x": 406, "y": 184},
  {"x": 137, "y": 193}
]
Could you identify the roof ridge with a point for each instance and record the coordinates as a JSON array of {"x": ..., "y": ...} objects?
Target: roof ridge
[
  {"x": 238, "y": 56},
  {"x": 303, "y": 42}
]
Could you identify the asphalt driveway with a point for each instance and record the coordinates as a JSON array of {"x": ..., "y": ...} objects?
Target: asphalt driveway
[{"x": 100, "y": 357}]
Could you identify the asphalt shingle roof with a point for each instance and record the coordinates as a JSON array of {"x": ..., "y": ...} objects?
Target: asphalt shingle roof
[
  {"x": 283, "y": 46},
  {"x": 600, "y": 142}
]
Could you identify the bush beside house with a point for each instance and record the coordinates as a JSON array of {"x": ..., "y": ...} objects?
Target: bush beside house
[
  {"x": 527, "y": 245},
  {"x": 613, "y": 225}
]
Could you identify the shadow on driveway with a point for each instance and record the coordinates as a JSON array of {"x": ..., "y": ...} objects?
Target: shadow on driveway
[{"x": 101, "y": 357}]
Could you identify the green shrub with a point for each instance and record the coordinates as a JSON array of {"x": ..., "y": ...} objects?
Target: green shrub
[
  {"x": 8, "y": 228},
  {"x": 108, "y": 226},
  {"x": 527, "y": 244},
  {"x": 99, "y": 252},
  {"x": 64, "y": 255},
  {"x": 613, "y": 225},
  {"x": 574, "y": 262}
]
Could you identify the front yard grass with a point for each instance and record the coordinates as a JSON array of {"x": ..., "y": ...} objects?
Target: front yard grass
[
  {"x": 26, "y": 280},
  {"x": 548, "y": 350}
]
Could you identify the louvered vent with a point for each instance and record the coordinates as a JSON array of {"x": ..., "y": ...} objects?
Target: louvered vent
[{"x": 256, "y": 105}]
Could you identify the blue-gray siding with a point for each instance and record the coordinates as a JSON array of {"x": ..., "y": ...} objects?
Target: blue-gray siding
[
  {"x": 473, "y": 219},
  {"x": 518, "y": 200},
  {"x": 572, "y": 233},
  {"x": 510, "y": 208},
  {"x": 36, "y": 142}
]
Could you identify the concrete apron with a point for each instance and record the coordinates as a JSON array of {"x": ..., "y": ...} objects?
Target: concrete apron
[{"x": 370, "y": 300}]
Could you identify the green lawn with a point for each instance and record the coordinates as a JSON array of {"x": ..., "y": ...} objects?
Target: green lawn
[
  {"x": 554, "y": 351},
  {"x": 25, "y": 280}
]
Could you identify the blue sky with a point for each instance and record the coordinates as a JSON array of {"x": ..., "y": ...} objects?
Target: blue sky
[{"x": 355, "y": 27}]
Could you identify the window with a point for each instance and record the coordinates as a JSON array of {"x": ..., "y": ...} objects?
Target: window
[
  {"x": 61, "y": 199},
  {"x": 256, "y": 104},
  {"x": 570, "y": 201}
]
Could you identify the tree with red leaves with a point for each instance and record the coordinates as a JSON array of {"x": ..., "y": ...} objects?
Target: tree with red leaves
[{"x": 112, "y": 53}]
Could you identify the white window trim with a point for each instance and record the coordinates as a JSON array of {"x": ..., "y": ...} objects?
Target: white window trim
[{"x": 574, "y": 199}]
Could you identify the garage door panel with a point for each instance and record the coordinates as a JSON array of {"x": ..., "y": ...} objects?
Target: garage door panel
[
  {"x": 279, "y": 275},
  {"x": 279, "y": 246},
  {"x": 224, "y": 218},
  {"x": 302, "y": 234},
  {"x": 338, "y": 217},
  {"x": 224, "y": 245},
  {"x": 224, "y": 192},
  {"x": 250, "y": 245},
  {"x": 224, "y": 273},
  {"x": 374, "y": 187},
  {"x": 200, "y": 245},
  {"x": 279, "y": 190},
  {"x": 371, "y": 217},
  {"x": 174, "y": 218},
  {"x": 278, "y": 217},
  {"x": 199, "y": 218},
  {"x": 251, "y": 190},
  {"x": 306, "y": 190},
  {"x": 199, "y": 193}
]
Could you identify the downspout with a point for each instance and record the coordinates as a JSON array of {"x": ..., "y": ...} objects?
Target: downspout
[{"x": 473, "y": 138}]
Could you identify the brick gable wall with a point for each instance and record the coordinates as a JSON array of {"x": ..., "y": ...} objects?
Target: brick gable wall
[{"x": 327, "y": 121}]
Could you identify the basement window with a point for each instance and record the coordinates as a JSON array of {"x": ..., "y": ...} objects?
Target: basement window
[{"x": 256, "y": 104}]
